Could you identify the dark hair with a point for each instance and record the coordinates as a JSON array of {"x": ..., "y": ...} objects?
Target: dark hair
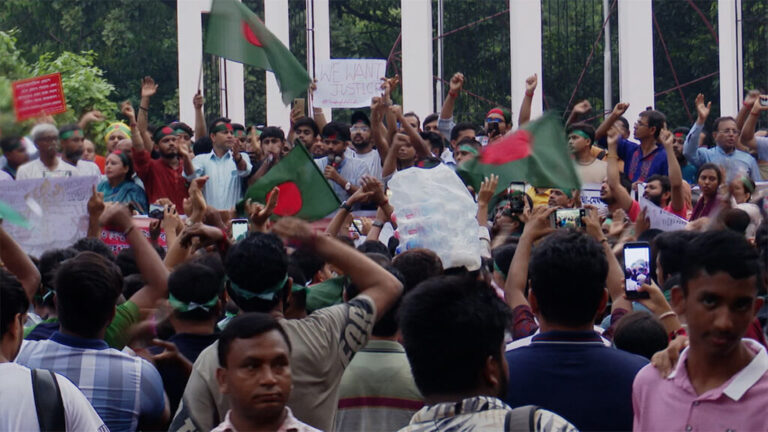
[
  {"x": 49, "y": 263},
  {"x": 87, "y": 288},
  {"x": 183, "y": 126},
  {"x": 460, "y": 127},
  {"x": 655, "y": 120},
  {"x": 450, "y": 326},
  {"x": 126, "y": 161},
  {"x": 373, "y": 246},
  {"x": 429, "y": 119},
  {"x": 216, "y": 121},
  {"x": 664, "y": 180},
  {"x": 623, "y": 120},
  {"x": 435, "y": 140},
  {"x": 710, "y": 166},
  {"x": 126, "y": 260},
  {"x": 470, "y": 142},
  {"x": 567, "y": 273},
  {"x": 502, "y": 257},
  {"x": 386, "y": 326},
  {"x": 10, "y": 143},
  {"x": 199, "y": 281},
  {"x": 309, "y": 122},
  {"x": 272, "y": 132},
  {"x": 246, "y": 326},
  {"x": 412, "y": 114},
  {"x": 132, "y": 284},
  {"x": 716, "y": 123},
  {"x": 95, "y": 245},
  {"x": 202, "y": 145},
  {"x": 13, "y": 300},
  {"x": 670, "y": 248},
  {"x": 256, "y": 263},
  {"x": 720, "y": 251},
  {"x": 238, "y": 126},
  {"x": 682, "y": 129},
  {"x": 640, "y": 333},
  {"x": 68, "y": 127},
  {"x": 584, "y": 127},
  {"x": 417, "y": 265},
  {"x": 308, "y": 261},
  {"x": 736, "y": 220},
  {"x": 340, "y": 130},
  {"x": 625, "y": 182}
]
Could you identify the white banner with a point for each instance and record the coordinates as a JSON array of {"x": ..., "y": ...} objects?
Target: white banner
[
  {"x": 348, "y": 83},
  {"x": 660, "y": 218},
  {"x": 590, "y": 194},
  {"x": 56, "y": 209}
]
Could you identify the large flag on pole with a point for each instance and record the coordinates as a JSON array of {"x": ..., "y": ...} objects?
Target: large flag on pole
[
  {"x": 536, "y": 154},
  {"x": 304, "y": 191},
  {"x": 237, "y": 34}
]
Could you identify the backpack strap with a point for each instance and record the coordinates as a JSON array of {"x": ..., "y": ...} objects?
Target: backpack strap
[
  {"x": 521, "y": 419},
  {"x": 48, "y": 402}
]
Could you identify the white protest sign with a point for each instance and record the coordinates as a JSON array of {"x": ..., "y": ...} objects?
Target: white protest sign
[
  {"x": 590, "y": 194},
  {"x": 660, "y": 218},
  {"x": 56, "y": 209},
  {"x": 348, "y": 83}
]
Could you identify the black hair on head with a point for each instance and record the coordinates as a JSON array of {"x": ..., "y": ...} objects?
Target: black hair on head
[{"x": 246, "y": 326}]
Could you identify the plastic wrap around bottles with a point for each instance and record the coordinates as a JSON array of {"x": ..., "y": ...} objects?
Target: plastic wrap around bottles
[{"x": 434, "y": 210}]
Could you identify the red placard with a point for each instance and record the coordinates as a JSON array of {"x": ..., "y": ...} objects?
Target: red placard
[{"x": 38, "y": 96}]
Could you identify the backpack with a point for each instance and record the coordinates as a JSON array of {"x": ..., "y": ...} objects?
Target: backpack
[
  {"x": 521, "y": 419},
  {"x": 48, "y": 402}
]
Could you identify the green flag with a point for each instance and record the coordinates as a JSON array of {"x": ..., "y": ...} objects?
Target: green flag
[
  {"x": 237, "y": 34},
  {"x": 12, "y": 216},
  {"x": 304, "y": 191},
  {"x": 537, "y": 154}
]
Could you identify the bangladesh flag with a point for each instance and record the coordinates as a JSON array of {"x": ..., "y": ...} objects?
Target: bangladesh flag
[
  {"x": 537, "y": 154},
  {"x": 237, "y": 34},
  {"x": 304, "y": 191}
]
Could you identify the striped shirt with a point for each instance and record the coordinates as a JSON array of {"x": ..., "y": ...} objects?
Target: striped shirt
[{"x": 120, "y": 387}]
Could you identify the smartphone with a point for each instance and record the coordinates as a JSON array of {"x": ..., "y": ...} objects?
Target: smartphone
[
  {"x": 764, "y": 100},
  {"x": 517, "y": 187},
  {"x": 300, "y": 102},
  {"x": 239, "y": 227},
  {"x": 637, "y": 268},
  {"x": 156, "y": 211},
  {"x": 567, "y": 218}
]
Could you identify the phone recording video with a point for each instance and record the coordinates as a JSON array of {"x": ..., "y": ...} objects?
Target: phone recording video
[
  {"x": 567, "y": 218},
  {"x": 239, "y": 228},
  {"x": 637, "y": 268}
]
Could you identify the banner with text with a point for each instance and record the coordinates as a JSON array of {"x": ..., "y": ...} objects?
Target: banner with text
[
  {"x": 55, "y": 208},
  {"x": 38, "y": 96},
  {"x": 348, "y": 83}
]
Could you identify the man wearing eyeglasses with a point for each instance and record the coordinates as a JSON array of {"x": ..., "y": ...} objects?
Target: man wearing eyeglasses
[
  {"x": 46, "y": 138},
  {"x": 726, "y": 134},
  {"x": 362, "y": 145},
  {"x": 643, "y": 160}
]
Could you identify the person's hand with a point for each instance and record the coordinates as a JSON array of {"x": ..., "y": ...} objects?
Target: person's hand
[
  {"x": 330, "y": 173},
  {"x": 360, "y": 196},
  {"x": 367, "y": 225},
  {"x": 396, "y": 110},
  {"x": 582, "y": 107},
  {"x": 148, "y": 87},
  {"x": 127, "y": 109},
  {"x": 116, "y": 216},
  {"x": 372, "y": 184},
  {"x": 751, "y": 97},
  {"x": 312, "y": 87},
  {"x": 620, "y": 109},
  {"x": 757, "y": 106},
  {"x": 183, "y": 151},
  {"x": 170, "y": 356},
  {"x": 154, "y": 230},
  {"x": 92, "y": 116},
  {"x": 701, "y": 108},
  {"x": 259, "y": 214},
  {"x": 378, "y": 107},
  {"x": 456, "y": 83},
  {"x": 538, "y": 224},
  {"x": 206, "y": 234},
  {"x": 618, "y": 223},
  {"x": 95, "y": 204},
  {"x": 698, "y": 225},
  {"x": 665, "y": 361},
  {"x": 171, "y": 221},
  {"x": 530, "y": 84},
  {"x": 656, "y": 303},
  {"x": 667, "y": 138},
  {"x": 613, "y": 143},
  {"x": 591, "y": 221},
  {"x": 196, "y": 201},
  {"x": 296, "y": 113},
  {"x": 198, "y": 100},
  {"x": 294, "y": 231},
  {"x": 487, "y": 190},
  {"x": 400, "y": 139},
  {"x": 642, "y": 223}
]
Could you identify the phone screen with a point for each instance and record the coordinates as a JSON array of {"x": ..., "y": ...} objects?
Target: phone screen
[
  {"x": 568, "y": 218},
  {"x": 517, "y": 187},
  {"x": 239, "y": 227},
  {"x": 637, "y": 266}
]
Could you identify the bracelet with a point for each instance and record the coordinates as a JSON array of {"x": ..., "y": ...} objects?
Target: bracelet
[
  {"x": 345, "y": 206},
  {"x": 128, "y": 231},
  {"x": 612, "y": 156},
  {"x": 143, "y": 108},
  {"x": 385, "y": 202},
  {"x": 679, "y": 332},
  {"x": 378, "y": 224},
  {"x": 754, "y": 113},
  {"x": 453, "y": 94},
  {"x": 529, "y": 94},
  {"x": 667, "y": 314}
]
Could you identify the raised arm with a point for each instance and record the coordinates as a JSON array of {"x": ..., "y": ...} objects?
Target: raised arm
[
  {"x": 421, "y": 146},
  {"x": 746, "y": 107},
  {"x": 378, "y": 134},
  {"x": 390, "y": 163},
  {"x": 95, "y": 208},
  {"x": 617, "y": 112},
  {"x": 748, "y": 132},
  {"x": 615, "y": 277},
  {"x": 360, "y": 196},
  {"x": 578, "y": 111},
  {"x": 675, "y": 173},
  {"x": 538, "y": 226},
  {"x": 18, "y": 263},
  {"x": 525, "y": 107},
  {"x": 370, "y": 278},
  {"x": 201, "y": 131},
  {"x": 484, "y": 195},
  {"x": 622, "y": 197},
  {"x": 90, "y": 117},
  {"x": 455, "y": 85},
  {"x": 148, "y": 89},
  {"x": 691, "y": 145}
]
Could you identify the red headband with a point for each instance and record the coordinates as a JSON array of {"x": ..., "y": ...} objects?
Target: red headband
[
  {"x": 495, "y": 111},
  {"x": 679, "y": 134}
]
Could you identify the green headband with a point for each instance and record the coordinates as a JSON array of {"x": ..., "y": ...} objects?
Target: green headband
[
  {"x": 70, "y": 134},
  {"x": 469, "y": 148},
  {"x": 581, "y": 133},
  {"x": 268, "y": 294},
  {"x": 496, "y": 267},
  {"x": 186, "y": 307},
  {"x": 747, "y": 185},
  {"x": 222, "y": 127}
]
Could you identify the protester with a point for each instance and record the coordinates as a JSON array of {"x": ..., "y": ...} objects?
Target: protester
[
  {"x": 118, "y": 185},
  {"x": 46, "y": 139},
  {"x": 15, "y": 155},
  {"x": 362, "y": 144},
  {"x": 581, "y": 137},
  {"x": 343, "y": 174},
  {"x": 72, "y": 148},
  {"x": 710, "y": 178}
]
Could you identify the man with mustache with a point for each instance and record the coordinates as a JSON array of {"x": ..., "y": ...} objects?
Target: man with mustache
[{"x": 72, "y": 147}]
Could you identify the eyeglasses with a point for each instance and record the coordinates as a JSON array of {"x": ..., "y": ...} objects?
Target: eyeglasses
[
  {"x": 359, "y": 129},
  {"x": 493, "y": 120},
  {"x": 639, "y": 123},
  {"x": 729, "y": 131}
]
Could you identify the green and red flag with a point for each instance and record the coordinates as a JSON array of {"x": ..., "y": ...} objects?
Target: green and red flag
[
  {"x": 236, "y": 33},
  {"x": 304, "y": 191},
  {"x": 536, "y": 154}
]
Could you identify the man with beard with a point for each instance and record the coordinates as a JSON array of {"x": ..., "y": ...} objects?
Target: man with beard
[
  {"x": 163, "y": 177},
  {"x": 72, "y": 148},
  {"x": 343, "y": 173},
  {"x": 362, "y": 144},
  {"x": 453, "y": 334},
  {"x": 225, "y": 167},
  {"x": 726, "y": 133}
]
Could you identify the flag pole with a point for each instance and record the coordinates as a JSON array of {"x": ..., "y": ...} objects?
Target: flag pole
[
  {"x": 310, "y": 18},
  {"x": 200, "y": 75},
  {"x": 226, "y": 91}
]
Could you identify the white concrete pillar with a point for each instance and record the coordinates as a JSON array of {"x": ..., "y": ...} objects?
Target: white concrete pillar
[
  {"x": 322, "y": 36},
  {"x": 729, "y": 50},
  {"x": 636, "y": 84},
  {"x": 276, "y": 20},
  {"x": 235, "y": 92},
  {"x": 416, "y": 42},
  {"x": 525, "y": 52}
]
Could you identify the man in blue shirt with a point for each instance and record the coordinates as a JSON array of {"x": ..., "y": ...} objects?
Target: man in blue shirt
[
  {"x": 643, "y": 160},
  {"x": 343, "y": 173},
  {"x": 225, "y": 167},
  {"x": 567, "y": 368},
  {"x": 725, "y": 154}
]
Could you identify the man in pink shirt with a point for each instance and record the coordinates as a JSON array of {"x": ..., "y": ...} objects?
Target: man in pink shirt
[{"x": 721, "y": 380}]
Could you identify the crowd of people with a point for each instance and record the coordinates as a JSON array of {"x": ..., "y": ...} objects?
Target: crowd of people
[{"x": 286, "y": 328}]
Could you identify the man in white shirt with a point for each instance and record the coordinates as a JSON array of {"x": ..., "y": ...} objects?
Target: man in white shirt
[
  {"x": 362, "y": 144},
  {"x": 46, "y": 139},
  {"x": 72, "y": 148}
]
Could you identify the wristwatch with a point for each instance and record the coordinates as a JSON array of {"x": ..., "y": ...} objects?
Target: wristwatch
[
  {"x": 348, "y": 186},
  {"x": 346, "y": 206}
]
